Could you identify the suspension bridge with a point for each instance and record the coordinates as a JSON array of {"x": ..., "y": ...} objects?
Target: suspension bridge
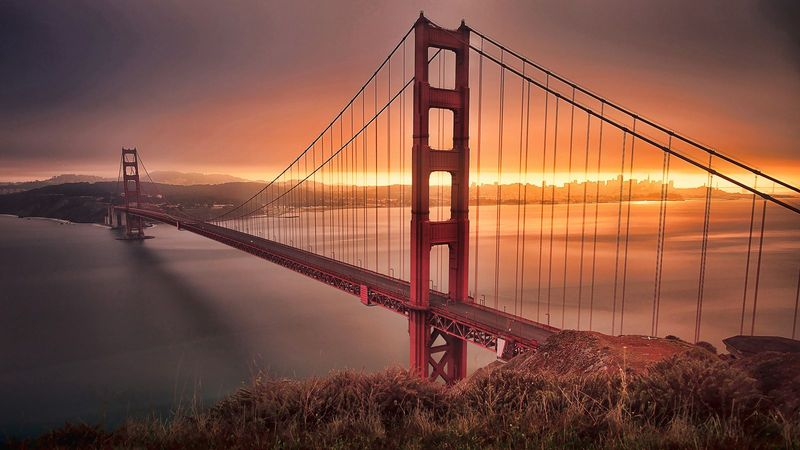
[{"x": 490, "y": 200}]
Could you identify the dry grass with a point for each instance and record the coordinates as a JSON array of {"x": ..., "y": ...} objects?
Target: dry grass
[{"x": 689, "y": 400}]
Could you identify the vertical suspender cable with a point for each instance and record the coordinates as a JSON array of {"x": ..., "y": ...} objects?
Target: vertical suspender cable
[
  {"x": 519, "y": 186},
  {"x": 261, "y": 201},
  {"x": 569, "y": 200},
  {"x": 341, "y": 230},
  {"x": 662, "y": 229},
  {"x": 758, "y": 266},
  {"x": 703, "y": 255},
  {"x": 747, "y": 264},
  {"x": 306, "y": 203},
  {"x": 525, "y": 195},
  {"x": 316, "y": 204},
  {"x": 498, "y": 192},
  {"x": 627, "y": 232},
  {"x": 541, "y": 200},
  {"x": 583, "y": 217},
  {"x": 287, "y": 230},
  {"x": 478, "y": 181},
  {"x": 619, "y": 234},
  {"x": 365, "y": 146},
  {"x": 403, "y": 171},
  {"x": 323, "y": 203},
  {"x": 376, "y": 176},
  {"x": 351, "y": 205},
  {"x": 552, "y": 214},
  {"x": 298, "y": 204},
  {"x": 397, "y": 215},
  {"x": 270, "y": 214},
  {"x": 333, "y": 188},
  {"x": 389, "y": 170},
  {"x": 354, "y": 203},
  {"x": 344, "y": 231},
  {"x": 796, "y": 305},
  {"x": 334, "y": 232},
  {"x": 290, "y": 206}
]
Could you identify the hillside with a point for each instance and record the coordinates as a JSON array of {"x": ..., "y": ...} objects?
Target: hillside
[
  {"x": 162, "y": 177},
  {"x": 193, "y": 178},
  {"x": 675, "y": 395},
  {"x": 8, "y": 188},
  {"x": 87, "y": 202}
]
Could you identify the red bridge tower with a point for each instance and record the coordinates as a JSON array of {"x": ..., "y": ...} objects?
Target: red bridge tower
[
  {"x": 134, "y": 227},
  {"x": 429, "y": 358}
]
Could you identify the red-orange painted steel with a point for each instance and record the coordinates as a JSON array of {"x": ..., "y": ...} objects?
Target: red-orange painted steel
[
  {"x": 439, "y": 324},
  {"x": 134, "y": 227},
  {"x": 451, "y": 364},
  {"x": 494, "y": 330}
]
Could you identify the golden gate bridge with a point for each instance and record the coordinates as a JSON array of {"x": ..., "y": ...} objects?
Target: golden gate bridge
[{"x": 512, "y": 258}]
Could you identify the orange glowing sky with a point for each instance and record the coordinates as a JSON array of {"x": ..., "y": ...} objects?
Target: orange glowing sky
[{"x": 241, "y": 87}]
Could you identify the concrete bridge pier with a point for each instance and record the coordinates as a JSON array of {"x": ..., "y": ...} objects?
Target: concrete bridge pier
[{"x": 114, "y": 218}]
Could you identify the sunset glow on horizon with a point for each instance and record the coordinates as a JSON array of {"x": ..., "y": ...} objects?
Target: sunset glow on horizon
[{"x": 221, "y": 106}]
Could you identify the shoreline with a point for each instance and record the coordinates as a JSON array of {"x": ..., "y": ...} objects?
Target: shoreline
[{"x": 48, "y": 219}]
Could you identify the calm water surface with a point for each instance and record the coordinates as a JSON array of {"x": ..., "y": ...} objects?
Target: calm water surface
[
  {"x": 560, "y": 261},
  {"x": 93, "y": 328},
  {"x": 97, "y": 329}
]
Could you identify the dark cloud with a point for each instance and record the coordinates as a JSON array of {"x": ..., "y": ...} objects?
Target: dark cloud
[
  {"x": 50, "y": 56},
  {"x": 82, "y": 77},
  {"x": 784, "y": 15}
]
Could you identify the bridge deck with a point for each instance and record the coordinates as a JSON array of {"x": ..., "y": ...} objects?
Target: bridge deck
[
  {"x": 528, "y": 330},
  {"x": 489, "y": 323}
]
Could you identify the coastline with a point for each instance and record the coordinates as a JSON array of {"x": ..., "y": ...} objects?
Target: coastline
[{"x": 49, "y": 219}]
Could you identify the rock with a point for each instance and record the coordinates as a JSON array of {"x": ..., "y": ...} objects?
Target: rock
[
  {"x": 743, "y": 346},
  {"x": 582, "y": 352}
]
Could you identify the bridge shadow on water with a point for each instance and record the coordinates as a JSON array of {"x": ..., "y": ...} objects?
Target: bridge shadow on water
[
  {"x": 110, "y": 330},
  {"x": 175, "y": 309}
]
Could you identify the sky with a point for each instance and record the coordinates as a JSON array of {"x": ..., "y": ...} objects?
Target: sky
[{"x": 241, "y": 87}]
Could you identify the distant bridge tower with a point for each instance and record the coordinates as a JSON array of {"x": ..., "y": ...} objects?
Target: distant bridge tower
[
  {"x": 134, "y": 226},
  {"x": 429, "y": 358}
]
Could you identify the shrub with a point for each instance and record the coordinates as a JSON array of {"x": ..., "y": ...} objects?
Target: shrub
[
  {"x": 692, "y": 400},
  {"x": 694, "y": 385}
]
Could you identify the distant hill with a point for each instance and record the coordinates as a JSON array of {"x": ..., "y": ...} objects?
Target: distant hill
[
  {"x": 162, "y": 177},
  {"x": 7, "y": 188},
  {"x": 72, "y": 178},
  {"x": 87, "y": 202},
  {"x": 191, "y": 178}
]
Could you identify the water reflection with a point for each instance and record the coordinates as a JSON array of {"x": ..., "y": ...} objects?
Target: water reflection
[{"x": 546, "y": 260}]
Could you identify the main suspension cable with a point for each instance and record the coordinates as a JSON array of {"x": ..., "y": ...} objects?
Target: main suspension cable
[{"x": 630, "y": 113}]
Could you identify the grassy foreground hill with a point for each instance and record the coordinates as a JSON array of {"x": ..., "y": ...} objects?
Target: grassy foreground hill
[{"x": 685, "y": 397}]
